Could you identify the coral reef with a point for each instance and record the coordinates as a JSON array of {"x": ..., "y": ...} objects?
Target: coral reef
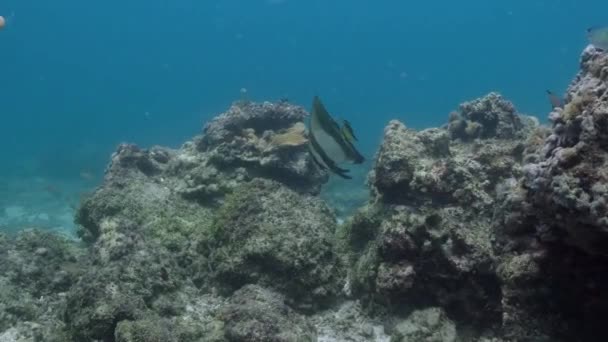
[
  {"x": 491, "y": 228},
  {"x": 348, "y": 322},
  {"x": 167, "y": 224},
  {"x": 267, "y": 234},
  {"x": 262, "y": 140},
  {"x": 552, "y": 224},
  {"x": 256, "y": 314},
  {"x": 430, "y": 324},
  {"x": 38, "y": 269},
  {"x": 570, "y": 182},
  {"x": 426, "y": 238},
  {"x": 487, "y": 117}
]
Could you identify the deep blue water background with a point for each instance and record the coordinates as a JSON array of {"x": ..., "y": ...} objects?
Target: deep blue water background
[{"x": 78, "y": 77}]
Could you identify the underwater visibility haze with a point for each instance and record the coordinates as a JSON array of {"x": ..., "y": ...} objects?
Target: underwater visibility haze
[
  {"x": 303, "y": 170},
  {"x": 84, "y": 76}
]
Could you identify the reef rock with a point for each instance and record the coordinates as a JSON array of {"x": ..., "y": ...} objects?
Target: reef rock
[
  {"x": 489, "y": 117},
  {"x": 270, "y": 235},
  {"x": 429, "y": 325},
  {"x": 426, "y": 239},
  {"x": 348, "y": 322},
  {"x": 37, "y": 270},
  {"x": 255, "y": 314},
  {"x": 552, "y": 225},
  {"x": 249, "y": 141},
  {"x": 230, "y": 207},
  {"x": 570, "y": 182},
  {"x": 263, "y": 140}
]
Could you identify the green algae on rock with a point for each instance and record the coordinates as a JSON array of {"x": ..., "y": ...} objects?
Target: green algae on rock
[
  {"x": 156, "y": 240},
  {"x": 38, "y": 269},
  {"x": 257, "y": 314},
  {"x": 270, "y": 235},
  {"x": 225, "y": 238}
]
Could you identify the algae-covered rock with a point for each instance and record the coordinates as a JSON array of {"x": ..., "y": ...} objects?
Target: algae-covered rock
[
  {"x": 261, "y": 117},
  {"x": 171, "y": 192},
  {"x": 569, "y": 180},
  {"x": 254, "y": 314},
  {"x": 37, "y": 268},
  {"x": 424, "y": 168},
  {"x": 415, "y": 259},
  {"x": 489, "y": 117},
  {"x": 40, "y": 262},
  {"x": 127, "y": 273},
  {"x": 154, "y": 227},
  {"x": 183, "y": 328},
  {"x": 427, "y": 238},
  {"x": 150, "y": 200},
  {"x": 143, "y": 331},
  {"x": 252, "y": 136},
  {"x": 551, "y": 224},
  {"x": 269, "y": 235},
  {"x": 348, "y": 322},
  {"x": 428, "y": 325}
]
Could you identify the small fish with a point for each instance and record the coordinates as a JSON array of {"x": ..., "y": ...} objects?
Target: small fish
[
  {"x": 347, "y": 131},
  {"x": 556, "y": 101},
  {"x": 598, "y": 36}
]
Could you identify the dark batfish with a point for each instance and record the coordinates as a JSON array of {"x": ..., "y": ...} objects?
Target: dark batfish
[
  {"x": 327, "y": 143},
  {"x": 556, "y": 101}
]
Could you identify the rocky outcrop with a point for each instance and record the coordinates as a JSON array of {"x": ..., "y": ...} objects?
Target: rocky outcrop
[
  {"x": 262, "y": 140},
  {"x": 552, "y": 224},
  {"x": 267, "y": 234},
  {"x": 230, "y": 208},
  {"x": 490, "y": 228},
  {"x": 426, "y": 240},
  {"x": 256, "y": 314},
  {"x": 489, "y": 117},
  {"x": 38, "y": 270},
  {"x": 430, "y": 324},
  {"x": 570, "y": 182}
]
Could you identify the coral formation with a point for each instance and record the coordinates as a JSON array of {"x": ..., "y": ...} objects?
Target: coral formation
[
  {"x": 267, "y": 234},
  {"x": 426, "y": 238},
  {"x": 38, "y": 269},
  {"x": 490, "y": 228},
  {"x": 256, "y": 314},
  {"x": 487, "y": 117},
  {"x": 170, "y": 222},
  {"x": 261, "y": 140},
  {"x": 552, "y": 224},
  {"x": 430, "y": 324}
]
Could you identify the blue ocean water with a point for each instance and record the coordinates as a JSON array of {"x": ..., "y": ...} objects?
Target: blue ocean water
[{"x": 79, "y": 77}]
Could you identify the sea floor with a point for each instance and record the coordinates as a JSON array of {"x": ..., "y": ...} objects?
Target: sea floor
[{"x": 43, "y": 203}]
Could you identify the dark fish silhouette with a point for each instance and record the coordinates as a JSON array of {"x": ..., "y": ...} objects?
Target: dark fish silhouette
[{"x": 327, "y": 143}]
